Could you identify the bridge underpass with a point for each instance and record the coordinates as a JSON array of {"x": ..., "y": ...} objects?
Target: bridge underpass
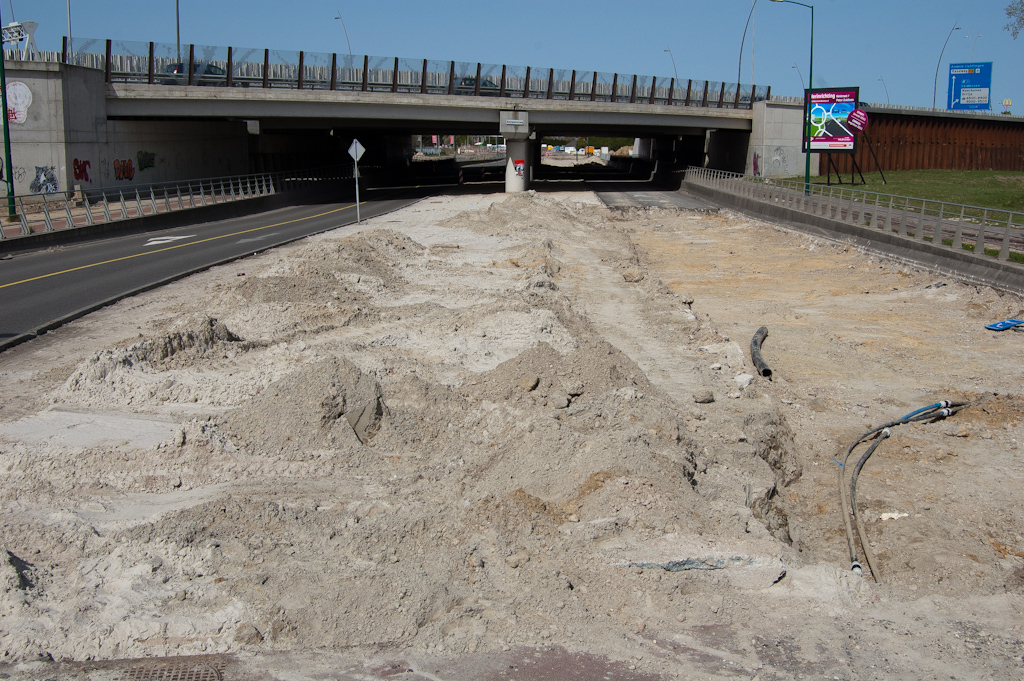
[
  {"x": 86, "y": 131},
  {"x": 683, "y": 137}
]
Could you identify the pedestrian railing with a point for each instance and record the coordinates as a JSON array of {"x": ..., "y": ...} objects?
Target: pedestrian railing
[
  {"x": 49, "y": 212},
  {"x": 207, "y": 65},
  {"x": 990, "y": 232}
]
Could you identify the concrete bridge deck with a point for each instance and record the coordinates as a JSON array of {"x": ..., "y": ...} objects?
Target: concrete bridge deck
[{"x": 401, "y": 112}]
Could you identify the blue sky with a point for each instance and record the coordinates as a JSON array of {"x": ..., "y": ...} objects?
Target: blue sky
[{"x": 857, "y": 43}]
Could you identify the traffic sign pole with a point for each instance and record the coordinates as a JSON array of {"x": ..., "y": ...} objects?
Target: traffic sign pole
[
  {"x": 355, "y": 165},
  {"x": 356, "y": 151}
]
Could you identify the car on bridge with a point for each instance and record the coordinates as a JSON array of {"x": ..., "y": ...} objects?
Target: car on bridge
[
  {"x": 467, "y": 86},
  {"x": 203, "y": 73}
]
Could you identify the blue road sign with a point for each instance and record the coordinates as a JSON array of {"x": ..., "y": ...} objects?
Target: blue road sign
[{"x": 970, "y": 86}]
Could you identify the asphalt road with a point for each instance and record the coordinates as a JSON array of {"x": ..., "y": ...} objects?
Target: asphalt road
[{"x": 40, "y": 290}]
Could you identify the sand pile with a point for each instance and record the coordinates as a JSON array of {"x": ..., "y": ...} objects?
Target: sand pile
[{"x": 493, "y": 424}]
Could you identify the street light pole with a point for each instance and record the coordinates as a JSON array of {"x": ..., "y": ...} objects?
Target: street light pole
[
  {"x": 344, "y": 28},
  {"x": 886, "y": 91},
  {"x": 935, "y": 89},
  {"x": 71, "y": 42},
  {"x": 669, "y": 50},
  {"x": 8, "y": 165},
  {"x": 810, "y": 86},
  {"x": 802, "y": 86},
  {"x": 177, "y": 24},
  {"x": 739, "y": 67}
]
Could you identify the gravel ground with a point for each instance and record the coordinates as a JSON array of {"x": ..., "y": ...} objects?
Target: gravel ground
[{"x": 486, "y": 430}]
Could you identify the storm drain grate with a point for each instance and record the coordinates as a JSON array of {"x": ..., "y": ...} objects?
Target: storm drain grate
[{"x": 175, "y": 671}]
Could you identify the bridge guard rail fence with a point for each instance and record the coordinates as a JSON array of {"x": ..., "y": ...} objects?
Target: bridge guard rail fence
[
  {"x": 989, "y": 232},
  {"x": 208, "y": 65},
  {"x": 49, "y": 212}
]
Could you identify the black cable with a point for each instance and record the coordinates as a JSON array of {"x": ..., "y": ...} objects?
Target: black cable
[
  {"x": 872, "y": 563},
  {"x": 932, "y": 412},
  {"x": 755, "y": 353}
]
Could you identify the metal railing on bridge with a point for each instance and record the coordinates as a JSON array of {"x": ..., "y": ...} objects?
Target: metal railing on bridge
[
  {"x": 991, "y": 232},
  {"x": 49, "y": 212},
  {"x": 161, "y": 64}
]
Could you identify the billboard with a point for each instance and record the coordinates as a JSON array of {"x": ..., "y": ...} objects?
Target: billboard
[
  {"x": 970, "y": 86},
  {"x": 826, "y": 128}
]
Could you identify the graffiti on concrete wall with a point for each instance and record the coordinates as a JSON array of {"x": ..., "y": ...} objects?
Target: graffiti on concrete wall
[
  {"x": 82, "y": 170},
  {"x": 124, "y": 169},
  {"x": 19, "y": 173},
  {"x": 780, "y": 164},
  {"x": 146, "y": 159},
  {"x": 45, "y": 181},
  {"x": 773, "y": 163},
  {"x": 19, "y": 99}
]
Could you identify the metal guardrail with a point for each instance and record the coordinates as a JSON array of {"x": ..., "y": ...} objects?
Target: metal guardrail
[
  {"x": 52, "y": 212},
  {"x": 161, "y": 64},
  {"x": 986, "y": 231}
]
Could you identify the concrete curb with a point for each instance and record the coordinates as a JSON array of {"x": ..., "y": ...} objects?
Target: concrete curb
[
  {"x": 77, "y": 314},
  {"x": 154, "y": 223},
  {"x": 964, "y": 265}
]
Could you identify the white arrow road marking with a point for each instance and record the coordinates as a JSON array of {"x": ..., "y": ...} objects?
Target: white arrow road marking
[
  {"x": 161, "y": 240},
  {"x": 257, "y": 238}
]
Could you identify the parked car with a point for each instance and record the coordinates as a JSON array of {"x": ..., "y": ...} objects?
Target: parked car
[
  {"x": 467, "y": 86},
  {"x": 204, "y": 73}
]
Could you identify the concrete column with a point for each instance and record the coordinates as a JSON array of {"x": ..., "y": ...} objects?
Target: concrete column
[
  {"x": 514, "y": 126},
  {"x": 517, "y": 166}
]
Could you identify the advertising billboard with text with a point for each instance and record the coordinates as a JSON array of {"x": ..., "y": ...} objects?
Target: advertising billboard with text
[{"x": 826, "y": 129}]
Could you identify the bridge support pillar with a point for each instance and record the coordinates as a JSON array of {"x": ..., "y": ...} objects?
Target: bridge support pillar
[
  {"x": 515, "y": 128},
  {"x": 517, "y": 166}
]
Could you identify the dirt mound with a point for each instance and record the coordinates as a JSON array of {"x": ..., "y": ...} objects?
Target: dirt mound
[
  {"x": 328, "y": 404},
  {"x": 519, "y": 423}
]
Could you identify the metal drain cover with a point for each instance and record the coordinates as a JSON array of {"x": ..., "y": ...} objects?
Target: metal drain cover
[{"x": 176, "y": 670}]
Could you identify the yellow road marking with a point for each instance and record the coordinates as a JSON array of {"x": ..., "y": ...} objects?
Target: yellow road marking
[{"x": 171, "y": 248}]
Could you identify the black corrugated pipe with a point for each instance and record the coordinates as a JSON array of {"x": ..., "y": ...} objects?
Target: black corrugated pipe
[{"x": 755, "y": 353}]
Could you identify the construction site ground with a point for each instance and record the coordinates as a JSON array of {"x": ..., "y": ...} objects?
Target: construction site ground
[{"x": 518, "y": 438}]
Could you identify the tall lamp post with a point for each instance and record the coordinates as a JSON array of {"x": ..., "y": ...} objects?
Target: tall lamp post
[
  {"x": 810, "y": 85},
  {"x": 177, "y": 26},
  {"x": 8, "y": 165},
  {"x": 739, "y": 67},
  {"x": 71, "y": 42},
  {"x": 669, "y": 50},
  {"x": 935, "y": 89},
  {"x": 886, "y": 91},
  {"x": 344, "y": 28}
]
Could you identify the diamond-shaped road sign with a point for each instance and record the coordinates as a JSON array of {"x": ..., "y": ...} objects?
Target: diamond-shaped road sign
[{"x": 356, "y": 150}]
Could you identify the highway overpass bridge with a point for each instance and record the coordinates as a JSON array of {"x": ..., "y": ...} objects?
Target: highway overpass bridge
[{"x": 120, "y": 113}]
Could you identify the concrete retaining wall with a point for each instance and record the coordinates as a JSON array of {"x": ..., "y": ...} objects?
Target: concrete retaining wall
[
  {"x": 61, "y": 137},
  {"x": 775, "y": 141}
]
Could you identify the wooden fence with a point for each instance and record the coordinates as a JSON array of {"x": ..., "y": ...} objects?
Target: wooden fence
[{"x": 922, "y": 142}]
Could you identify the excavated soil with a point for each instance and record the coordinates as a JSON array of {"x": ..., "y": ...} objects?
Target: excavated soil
[{"x": 485, "y": 425}]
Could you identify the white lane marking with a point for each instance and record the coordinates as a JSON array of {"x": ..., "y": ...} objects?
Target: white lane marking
[
  {"x": 161, "y": 240},
  {"x": 257, "y": 238}
]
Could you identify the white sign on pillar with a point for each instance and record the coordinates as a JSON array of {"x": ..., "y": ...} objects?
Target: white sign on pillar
[{"x": 356, "y": 151}]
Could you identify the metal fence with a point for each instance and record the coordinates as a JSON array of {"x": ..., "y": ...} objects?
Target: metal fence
[
  {"x": 208, "y": 65},
  {"x": 990, "y": 232},
  {"x": 38, "y": 213}
]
